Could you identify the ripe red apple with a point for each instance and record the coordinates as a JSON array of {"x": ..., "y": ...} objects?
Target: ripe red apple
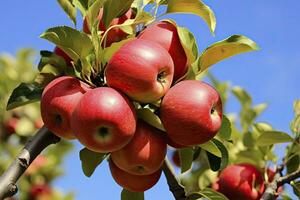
[
  {"x": 141, "y": 69},
  {"x": 59, "y": 99},
  {"x": 10, "y": 125},
  {"x": 104, "y": 120},
  {"x": 240, "y": 181},
  {"x": 115, "y": 34},
  {"x": 165, "y": 34},
  {"x": 191, "y": 112},
  {"x": 134, "y": 183},
  {"x": 58, "y": 51},
  {"x": 145, "y": 153},
  {"x": 173, "y": 144},
  {"x": 40, "y": 191},
  {"x": 176, "y": 158}
]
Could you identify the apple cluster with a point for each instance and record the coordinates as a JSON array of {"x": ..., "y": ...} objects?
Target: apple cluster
[{"x": 147, "y": 70}]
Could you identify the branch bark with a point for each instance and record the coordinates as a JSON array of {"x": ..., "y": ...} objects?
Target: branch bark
[
  {"x": 271, "y": 191},
  {"x": 174, "y": 186},
  {"x": 34, "y": 146}
]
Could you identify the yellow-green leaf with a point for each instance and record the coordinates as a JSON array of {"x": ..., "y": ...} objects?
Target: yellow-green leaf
[
  {"x": 69, "y": 9},
  {"x": 148, "y": 116},
  {"x": 211, "y": 147},
  {"x": 221, "y": 50},
  {"x": 273, "y": 137},
  {"x": 196, "y": 7}
]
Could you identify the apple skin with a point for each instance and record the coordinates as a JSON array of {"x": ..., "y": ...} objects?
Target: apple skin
[
  {"x": 104, "y": 120},
  {"x": 58, "y": 51},
  {"x": 10, "y": 125},
  {"x": 40, "y": 191},
  {"x": 165, "y": 34},
  {"x": 133, "y": 183},
  {"x": 145, "y": 153},
  {"x": 236, "y": 182},
  {"x": 59, "y": 99},
  {"x": 176, "y": 158},
  {"x": 141, "y": 69},
  {"x": 191, "y": 112},
  {"x": 115, "y": 34},
  {"x": 175, "y": 145}
]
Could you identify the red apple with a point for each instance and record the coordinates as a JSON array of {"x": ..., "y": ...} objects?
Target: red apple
[
  {"x": 10, "y": 125},
  {"x": 58, "y": 51},
  {"x": 134, "y": 183},
  {"x": 173, "y": 144},
  {"x": 40, "y": 191},
  {"x": 165, "y": 34},
  {"x": 191, "y": 112},
  {"x": 141, "y": 69},
  {"x": 104, "y": 120},
  {"x": 38, "y": 123},
  {"x": 115, "y": 34},
  {"x": 145, "y": 153},
  {"x": 39, "y": 162},
  {"x": 176, "y": 158},
  {"x": 240, "y": 181},
  {"x": 59, "y": 99}
]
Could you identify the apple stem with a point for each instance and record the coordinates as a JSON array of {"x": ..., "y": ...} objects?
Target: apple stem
[
  {"x": 279, "y": 180},
  {"x": 174, "y": 186},
  {"x": 34, "y": 146}
]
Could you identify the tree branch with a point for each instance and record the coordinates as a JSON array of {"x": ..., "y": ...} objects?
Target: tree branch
[
  {"x": 271, "y": 191},
  {"x": 174, "y": 186},
  {"x": 34, "y": 146}
]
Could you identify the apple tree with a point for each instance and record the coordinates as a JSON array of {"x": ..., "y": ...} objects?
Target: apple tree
[{"x": 129, "y": 86}]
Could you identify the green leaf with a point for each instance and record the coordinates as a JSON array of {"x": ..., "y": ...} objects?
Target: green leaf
[
  {"x": 208, "y": 194},
  {"x": 148, "y": 116},
  {"x": 262, "y": 127},
  {"x": 92, "y": 14},
  {"x": 127, "y": 195},
  {"x": 69, "y": 9},
  {"x": 273, "y": 137},
  {"x": 297, "y": 107},
  {"x": 295, "y": 125},
  {"x": 24, "y": 94},
  {"x": 48, "y": 57},
  {"x": 225, "y": 130},
  {"x": 221, "y": 50},
  {"x": 211, "y": 147},
  {"x": 188, "y": 42},
  {"x": 218, "y": 162},
  {"x": 75, "y": 43},
  {"x": 196, "y": 7},
  {"x": 90, "y": 160},
  {"x": 293, "y": 164},
  {"x": 296, "y": 187},
  {"x": 242, "y": 96},
  {"x": 82, "y": 5},
  {"x": 258, "y": 109},
  {"x": 113, "y": 9},
  {"x": 186, "y": 158}
]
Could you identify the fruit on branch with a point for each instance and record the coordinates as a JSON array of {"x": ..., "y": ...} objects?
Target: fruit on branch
[
  {"x": 176, "y": 158},
  {"x": 58, "y": 51},
  {"x": 240, "y": 181},
  {"x": 104, "y": 120},
  {"x": 173, "y": 144},
  {"x": 191, "y": 112},
  {"x": 165, "y": 34},
  {"x": 145, "y": 153},
  {"x": 134, "y": 183},
  {"x": 115, "y": 34},
  {"x": 141, "y": 69},
  {"x": 40, "y": 191},
  {"x": 10, "y": 125},
  {"x": 39, "y": 162},
  {"x": 38, "y": 123},
  {"x": 59, "y": 99}
]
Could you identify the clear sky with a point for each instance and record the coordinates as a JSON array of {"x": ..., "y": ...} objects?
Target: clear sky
[{"x": 270, "y": 75}]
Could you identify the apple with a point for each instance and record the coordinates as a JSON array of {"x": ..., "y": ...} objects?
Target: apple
[
  {"x": 144, "y": 154},
  {"x": 141, "y": 69},
  {"x": 59, "y": 99},
  {"x": 40, "y": 191},
  {"x": 176, "y": 158},
  {"x": 133, "y": 183},
  {"x": 58, "y": 51},
  {"x": 38, "y": 123},
  {"x": 115, "y": 34},
  {"x": 39, "y": 162},
  {"x": 173, "y": 144},
  {"x": 10, "y": 125},
  {"x": 165, "y": 34},
  {"x": 240, "y": 181},
  {"x": 191, "y": 112},
  {"x": 104, "y": 120}
]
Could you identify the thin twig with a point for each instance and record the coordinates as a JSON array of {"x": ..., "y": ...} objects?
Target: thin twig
[
  {"x": 174, "y": 186},
  {"x": 34, "y": 146}
]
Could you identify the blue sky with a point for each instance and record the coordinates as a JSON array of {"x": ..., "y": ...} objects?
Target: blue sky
[{"x": 270, "y": 75}]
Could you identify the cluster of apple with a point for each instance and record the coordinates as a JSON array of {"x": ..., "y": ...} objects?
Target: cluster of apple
[{"x": 146, "y": 70}]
